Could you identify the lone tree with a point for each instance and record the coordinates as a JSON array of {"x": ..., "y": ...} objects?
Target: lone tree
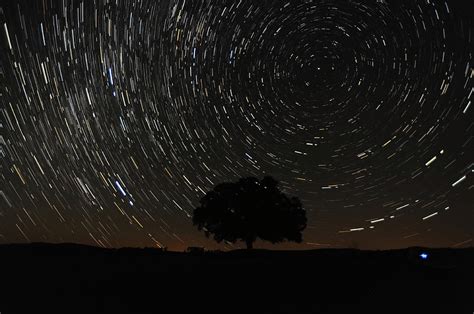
[{"x": 250, "y": 209}]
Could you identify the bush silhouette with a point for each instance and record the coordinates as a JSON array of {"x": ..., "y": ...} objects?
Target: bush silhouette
[{"x": 250, "y": 209}]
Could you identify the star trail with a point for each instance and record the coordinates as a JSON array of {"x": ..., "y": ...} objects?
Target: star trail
[{"x": 116, "y": 117}]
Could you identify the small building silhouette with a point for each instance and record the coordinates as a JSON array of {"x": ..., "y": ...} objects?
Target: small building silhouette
[{"x": 195, "y": 249}]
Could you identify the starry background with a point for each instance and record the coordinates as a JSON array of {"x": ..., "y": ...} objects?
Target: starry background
[{"x": 117, "y": 116}]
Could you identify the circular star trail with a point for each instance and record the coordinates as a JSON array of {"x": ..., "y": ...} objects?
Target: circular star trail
[{"x": 118, "y": 116}]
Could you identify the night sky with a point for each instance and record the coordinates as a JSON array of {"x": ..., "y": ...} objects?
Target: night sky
[{"x": 116, "y": 117}]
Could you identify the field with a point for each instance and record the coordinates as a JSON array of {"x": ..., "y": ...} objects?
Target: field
[{"x": 70, "y": 278}]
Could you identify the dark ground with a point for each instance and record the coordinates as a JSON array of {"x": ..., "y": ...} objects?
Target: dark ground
[{"x": 68, "y": 278}]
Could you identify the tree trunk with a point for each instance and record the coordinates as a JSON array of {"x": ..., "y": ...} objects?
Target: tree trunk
[{"x": 249, "y": 244}]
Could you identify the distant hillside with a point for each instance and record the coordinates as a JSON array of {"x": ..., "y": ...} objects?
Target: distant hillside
[{"x": 71, "y": 278}]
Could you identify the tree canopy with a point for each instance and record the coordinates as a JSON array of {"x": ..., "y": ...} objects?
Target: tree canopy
[{"x": 250, "y": 209}]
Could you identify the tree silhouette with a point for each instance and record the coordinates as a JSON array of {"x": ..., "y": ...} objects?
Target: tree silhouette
[{"x": 250, "y": 209}]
